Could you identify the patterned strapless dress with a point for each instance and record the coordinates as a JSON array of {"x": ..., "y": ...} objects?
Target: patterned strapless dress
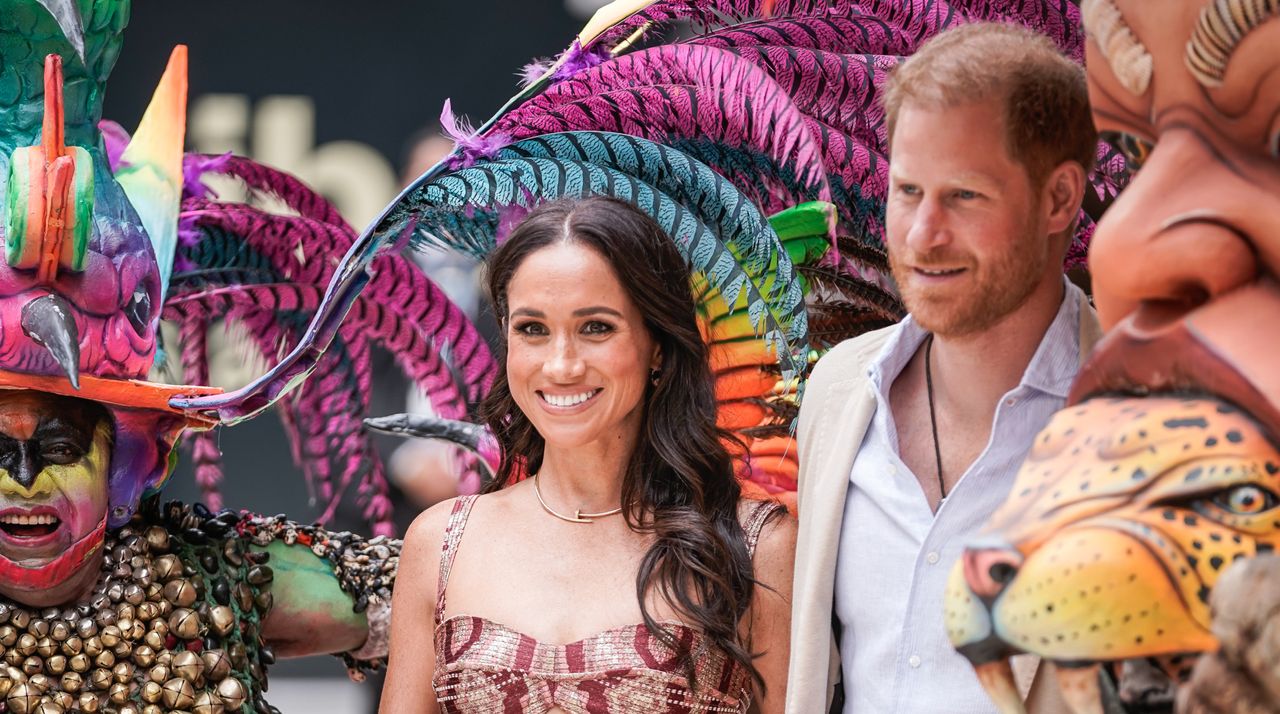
[{"x": 484, "y": 667}]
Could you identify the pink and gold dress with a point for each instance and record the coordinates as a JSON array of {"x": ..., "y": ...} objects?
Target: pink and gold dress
[{"x": 483, "y": 667}]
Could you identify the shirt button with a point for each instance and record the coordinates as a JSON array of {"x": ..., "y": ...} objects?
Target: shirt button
[
  {"x": 914, "y": 661},
  {"x": 1010, "y": 401},
  {"x": 932, "y": 558}
]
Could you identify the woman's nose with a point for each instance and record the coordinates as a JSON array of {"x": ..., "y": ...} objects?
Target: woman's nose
[{"x": 564, "y": 364}]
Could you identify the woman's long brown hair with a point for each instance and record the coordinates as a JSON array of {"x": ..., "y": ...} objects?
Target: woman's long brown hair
[{"x": 679, "y": 482}]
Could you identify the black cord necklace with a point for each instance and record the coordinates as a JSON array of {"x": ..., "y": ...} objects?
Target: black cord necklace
[{"x": 933, "y": 418}]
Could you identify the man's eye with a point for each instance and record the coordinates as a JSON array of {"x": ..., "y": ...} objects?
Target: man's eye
[
  {"x": 907, "y": 189},
  {"x": 597, "y": 328},
  {"x": 966, "y": 195},
  {"x": 62, "y": 453}
]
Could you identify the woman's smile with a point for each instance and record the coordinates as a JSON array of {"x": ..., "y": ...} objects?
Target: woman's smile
[{"x": 568, "y": 402}]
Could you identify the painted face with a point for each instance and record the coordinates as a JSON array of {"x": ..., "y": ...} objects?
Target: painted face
[
  {"x": 965, "y": 235},
  {"x": 1163, "y": 471},
  {"x": 54, "y": 454},
  {"x": 579, "y": 354}
]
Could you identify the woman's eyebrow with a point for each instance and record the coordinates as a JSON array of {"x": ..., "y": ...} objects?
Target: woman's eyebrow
[{"x": 596, "y": 309}]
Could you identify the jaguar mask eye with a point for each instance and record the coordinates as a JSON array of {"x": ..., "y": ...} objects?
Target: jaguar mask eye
[{"x": 1245, "y": 500}]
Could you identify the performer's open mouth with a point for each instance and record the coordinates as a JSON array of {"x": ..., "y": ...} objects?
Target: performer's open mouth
[{"x": 30, "y": 526}]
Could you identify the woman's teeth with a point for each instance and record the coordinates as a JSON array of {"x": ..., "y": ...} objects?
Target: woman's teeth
[
  {"x": 567, "y": 400},
  {"x": 21, "y": 520}
]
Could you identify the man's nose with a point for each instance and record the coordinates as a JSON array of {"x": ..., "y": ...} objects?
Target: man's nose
[
  {"x": 988, "y": 569},
  {"x": 928, "y": 227},
  {"x": 1185, "y": 231}
]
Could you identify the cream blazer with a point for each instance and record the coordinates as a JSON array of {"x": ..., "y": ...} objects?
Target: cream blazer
[{"x": 837, "y": 408}]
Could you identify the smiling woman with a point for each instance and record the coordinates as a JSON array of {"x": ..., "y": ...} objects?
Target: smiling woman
[{"x": 631, "y": 546}]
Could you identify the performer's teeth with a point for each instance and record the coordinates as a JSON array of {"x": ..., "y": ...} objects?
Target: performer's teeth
[
  {"x": 997, "y": 678},
  {"x": 1080, "y": 688}
]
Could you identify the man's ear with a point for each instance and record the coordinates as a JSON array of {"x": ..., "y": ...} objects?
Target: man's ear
[{"x": 1062, "y": 194}]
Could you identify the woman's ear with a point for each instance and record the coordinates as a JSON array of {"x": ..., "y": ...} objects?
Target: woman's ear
[{"x": 655, "y": 362}]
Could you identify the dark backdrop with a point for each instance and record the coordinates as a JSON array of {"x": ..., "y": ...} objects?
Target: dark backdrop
[{"x": 377, "y": 72}]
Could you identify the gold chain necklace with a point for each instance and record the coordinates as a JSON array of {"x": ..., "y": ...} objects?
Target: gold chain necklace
[{"x": 578, "y": 516}]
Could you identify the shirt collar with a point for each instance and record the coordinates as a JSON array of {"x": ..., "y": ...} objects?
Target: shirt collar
[{"x": 1052, "y": 369}]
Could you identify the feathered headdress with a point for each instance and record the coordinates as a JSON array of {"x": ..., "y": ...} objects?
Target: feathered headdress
[
  {"x": 106, "y": 234},
  {"x": 766, "y": 106}
]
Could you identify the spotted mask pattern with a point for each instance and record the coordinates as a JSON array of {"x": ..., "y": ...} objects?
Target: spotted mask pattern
[{"x": 1119, "y": 524}]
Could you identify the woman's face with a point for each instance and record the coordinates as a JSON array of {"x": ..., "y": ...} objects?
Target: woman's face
[{"x": 578, "y": 354}]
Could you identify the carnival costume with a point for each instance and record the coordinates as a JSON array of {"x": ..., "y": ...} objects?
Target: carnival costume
[{"x": 103, "y": 236}]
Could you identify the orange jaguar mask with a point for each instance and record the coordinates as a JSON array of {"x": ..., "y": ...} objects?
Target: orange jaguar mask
[{"x": 1165, "y": 469}]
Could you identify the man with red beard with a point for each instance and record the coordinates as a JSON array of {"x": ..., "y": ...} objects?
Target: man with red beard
[{"x": 911, "y": 436}]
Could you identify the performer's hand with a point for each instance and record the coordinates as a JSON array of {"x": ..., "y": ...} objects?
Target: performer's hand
[{"x": 1244, "y": 676}]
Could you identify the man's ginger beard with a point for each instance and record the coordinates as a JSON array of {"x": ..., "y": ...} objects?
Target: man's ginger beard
[{"x": 995, "y": 288}]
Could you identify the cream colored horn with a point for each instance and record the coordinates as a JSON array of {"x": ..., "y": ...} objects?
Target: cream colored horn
[{"x": 997, "y": 678}]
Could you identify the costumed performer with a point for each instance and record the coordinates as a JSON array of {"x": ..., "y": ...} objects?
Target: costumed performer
[{"x": 110, "y": 600}]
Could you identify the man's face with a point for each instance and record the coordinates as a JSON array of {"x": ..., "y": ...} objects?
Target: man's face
[
  {"x": 967, "y": 242},
  {"x": 54, "y": 457}
]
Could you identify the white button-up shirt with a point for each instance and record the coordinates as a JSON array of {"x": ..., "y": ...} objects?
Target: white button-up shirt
[{"x": 896, "y": 554}]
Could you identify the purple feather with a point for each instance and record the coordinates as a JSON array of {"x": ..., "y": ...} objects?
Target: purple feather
[
  {"x": 568, "y": 63},
  {"x": 195, "y": 166},
  {"x": 114, "y": 140},
  {"x": 469, "y": 145}
]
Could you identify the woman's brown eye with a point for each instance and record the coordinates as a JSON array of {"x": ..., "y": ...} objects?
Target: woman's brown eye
[{"x": 1134, "y": 149}]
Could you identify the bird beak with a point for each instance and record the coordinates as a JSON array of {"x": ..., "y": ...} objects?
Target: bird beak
[{"x": 49, "y": 321}]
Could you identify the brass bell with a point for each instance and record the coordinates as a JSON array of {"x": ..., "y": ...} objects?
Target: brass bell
[
  {"x": 45, "y": 646},
  {"x": 178, "y": 693},
  {"x": 217, "y": 665},
  {"x": 93, "y": 646},
  {"x": 232, "y": 693},
  {"x": 64, "y": 700},
  {"x": 185, "y": 623},
  {"x": 154, "y": 639},
  {"x": 40, "y": 682},
  {"x": 6, "y": 683},
  {"x": 8, "y": 635},
  {"x": 100, "y": 679},
  {"x": 118, "y": 693},
  {"x": 207, "y": 703},
  {"x": 105, "y": 659},
  {"x": 110, "y": 636},
  {"x": 26, "y": 644},
  {"x": 187, "y": 665},
  {"x": 60, "y": 631},
  {"x": 73, "y": 645},
  {"x": 32, "y": 665},
  {"x": 159, "y": 673},
  {"x": 151, "y": 692},
  {"x": 88, "y": 703},
  {"x": 22, "y": 699},
  {"x": 223, "y": 619},
  {"x": 180, "y": 592},
  {"x": 72, "y": 682},
  {"x": 48, "y": 706},
  {"x": 122, "y": 672},
  {"x": 56, "y": 664},
  {"x": 157, "y": 539},
  {"x": 79, "y": 663},
  {"x": 144, "y": 655}
]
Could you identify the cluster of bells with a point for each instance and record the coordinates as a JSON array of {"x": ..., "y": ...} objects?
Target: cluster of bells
[{"x": 172, "y": 626}]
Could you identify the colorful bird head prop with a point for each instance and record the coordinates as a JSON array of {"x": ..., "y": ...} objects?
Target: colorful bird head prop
[
  {"x": 1165, "y": 467},
  {"x": 87, "y": 252}
]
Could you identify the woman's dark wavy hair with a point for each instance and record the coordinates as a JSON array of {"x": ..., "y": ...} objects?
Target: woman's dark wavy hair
[{"x": 680, "y": 481}]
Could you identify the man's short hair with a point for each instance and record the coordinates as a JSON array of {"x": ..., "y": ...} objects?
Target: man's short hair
[{"x": 1045, "y": 95}]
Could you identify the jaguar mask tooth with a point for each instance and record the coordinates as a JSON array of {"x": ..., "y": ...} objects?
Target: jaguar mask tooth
[
  {"x": 997, "y": 679},
  {"x": 1080, "y": 689}
]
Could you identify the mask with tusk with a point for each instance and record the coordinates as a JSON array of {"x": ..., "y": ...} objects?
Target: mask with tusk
[{"x": 1164, "y": 469}]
